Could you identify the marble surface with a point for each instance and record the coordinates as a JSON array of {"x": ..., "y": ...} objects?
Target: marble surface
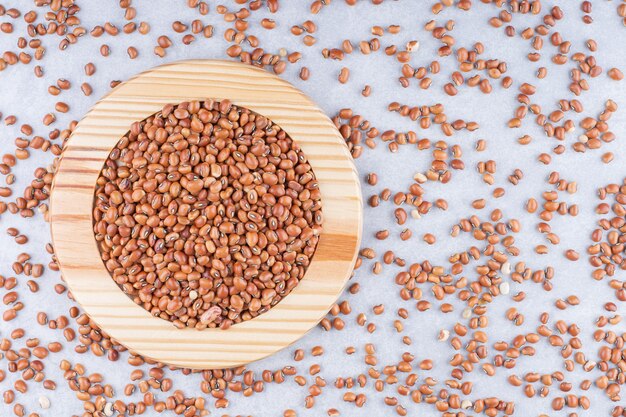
[{"x": 25, "y": 96}]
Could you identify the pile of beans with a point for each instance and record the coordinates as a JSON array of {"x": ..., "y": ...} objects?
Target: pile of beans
[
  {"x": 207, "y": 214},
  {"x": 472, "y": 294}
]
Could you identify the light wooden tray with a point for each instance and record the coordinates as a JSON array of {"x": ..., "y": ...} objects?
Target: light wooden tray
[{"x": 72, "y": 202}]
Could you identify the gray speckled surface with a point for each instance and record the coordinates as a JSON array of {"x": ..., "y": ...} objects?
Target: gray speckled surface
[{"x": 25, "y": 96}]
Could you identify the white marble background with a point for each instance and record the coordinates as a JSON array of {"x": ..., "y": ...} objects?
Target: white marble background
[{"x": 25, "y": 96}]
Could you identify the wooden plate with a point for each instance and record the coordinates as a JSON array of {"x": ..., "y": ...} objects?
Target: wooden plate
[{"x": 72, "y": 202}]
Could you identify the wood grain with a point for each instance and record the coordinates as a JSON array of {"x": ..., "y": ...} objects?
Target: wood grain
[{"x": 77, "y": 251}]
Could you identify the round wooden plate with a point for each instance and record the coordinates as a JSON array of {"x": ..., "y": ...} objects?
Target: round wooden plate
[{"x": 73, "y": 194}]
